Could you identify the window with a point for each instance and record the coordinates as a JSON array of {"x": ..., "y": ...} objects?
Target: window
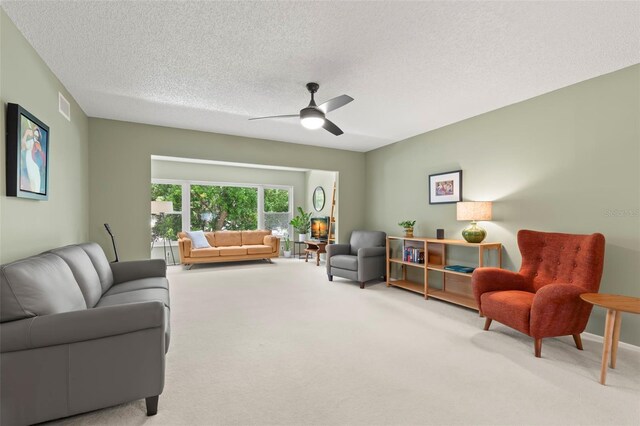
[
  {"x": 277, "y": 210},
  {"x": 220, "y": 206},
  {"x": 166, "y": 225},
  {"x": 215, "y": 208}
]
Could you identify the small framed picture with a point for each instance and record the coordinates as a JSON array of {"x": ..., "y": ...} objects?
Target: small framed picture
[{"x": 445, "y": 187}]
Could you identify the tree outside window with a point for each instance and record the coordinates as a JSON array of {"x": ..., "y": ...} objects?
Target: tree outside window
[{"x": 215, "y": 208}]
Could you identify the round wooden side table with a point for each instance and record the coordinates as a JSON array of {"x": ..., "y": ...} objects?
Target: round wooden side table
[{"x": 615, "y": 306}]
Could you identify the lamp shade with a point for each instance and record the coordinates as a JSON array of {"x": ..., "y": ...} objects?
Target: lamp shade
[
  {"x": 474, "y": 210},
  {"x": 159, "y": 207}
]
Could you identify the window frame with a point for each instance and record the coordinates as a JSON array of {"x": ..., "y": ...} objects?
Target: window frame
[{"x": 186, "y": 197}]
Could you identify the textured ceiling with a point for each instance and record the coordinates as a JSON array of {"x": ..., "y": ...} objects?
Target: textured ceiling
[{"x": 411, "y": 67}]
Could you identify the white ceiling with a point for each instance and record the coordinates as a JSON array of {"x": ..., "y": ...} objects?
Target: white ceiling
[{"x": 411, "y": 66}]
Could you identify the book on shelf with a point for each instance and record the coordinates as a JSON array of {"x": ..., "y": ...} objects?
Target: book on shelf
[
  {"x": 460, "y": 268},
  {"x": 413, "y": 255}
]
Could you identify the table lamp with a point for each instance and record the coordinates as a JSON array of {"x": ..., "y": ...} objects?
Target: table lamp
[{"x": 473, "y": 211}]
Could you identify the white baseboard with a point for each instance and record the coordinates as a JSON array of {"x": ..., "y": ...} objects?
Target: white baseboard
[{"x": 595, "y": 338}]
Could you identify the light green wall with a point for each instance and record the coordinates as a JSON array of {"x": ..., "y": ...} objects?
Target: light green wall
[
  {"x": 28, "y": 227},
  {"x": 567, "y": 161},
  {"x": 119, "y": 160}
]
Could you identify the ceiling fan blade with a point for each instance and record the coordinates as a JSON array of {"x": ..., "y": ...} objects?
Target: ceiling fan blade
[
  {"x": 276, "y": 116},
  {"x": 335, "y": 103},
  {"x": 329, "y": 126}
]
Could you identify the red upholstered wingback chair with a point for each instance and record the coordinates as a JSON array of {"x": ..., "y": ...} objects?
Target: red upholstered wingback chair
[{"x": 543, "y": 299}]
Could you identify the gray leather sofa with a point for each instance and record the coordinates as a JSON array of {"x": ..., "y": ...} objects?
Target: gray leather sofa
[
  {"x": 361, "y": 260},
  {"x": 78, "y": 333}
]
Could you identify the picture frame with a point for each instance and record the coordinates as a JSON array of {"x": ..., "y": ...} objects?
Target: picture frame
[
  {"x": 445, "y": 188},
  {"x": 27, "y": 155}
]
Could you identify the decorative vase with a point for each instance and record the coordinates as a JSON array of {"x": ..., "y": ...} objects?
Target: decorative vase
[
  {"x": 473, "y": 233},
  {"x": 408, "y": 232},
  {"x": 287, "y": 253},
  {"x": 302, "y": 237}
]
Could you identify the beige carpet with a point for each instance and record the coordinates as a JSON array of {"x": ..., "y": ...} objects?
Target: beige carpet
[{"x": 254, "y": 343}]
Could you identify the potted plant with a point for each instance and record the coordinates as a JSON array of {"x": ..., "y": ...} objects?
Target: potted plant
[
  {"x": 287, "y": 246},
  {"x": 408, "y": 227},
  {"x": 301, "y": 223}
]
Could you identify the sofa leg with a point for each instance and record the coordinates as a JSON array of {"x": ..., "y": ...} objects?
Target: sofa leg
[
  {"x": 152, "y": 405},
  {"x": 487, "y": 323},
  {"x": 362, "y": 284},
  {"x": 330, "y": 277},
  {"x": 189, "y": 267},
  {"x": 578, "y": 340},
  {"x": 538, "y": 346}
]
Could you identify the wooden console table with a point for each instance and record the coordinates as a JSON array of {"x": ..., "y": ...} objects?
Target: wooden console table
[
  {"x": 615, "y": 306},
  {"x": 317, "y": 247},
  {"x": 456, "y": 286}
]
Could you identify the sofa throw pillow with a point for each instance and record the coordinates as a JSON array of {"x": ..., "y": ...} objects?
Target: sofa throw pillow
[{"x": 198, "y": 240}]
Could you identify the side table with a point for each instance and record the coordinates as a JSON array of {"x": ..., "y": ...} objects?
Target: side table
[
  {"x": 615, "y": 306},
  {"x": 316, "y": 247}
]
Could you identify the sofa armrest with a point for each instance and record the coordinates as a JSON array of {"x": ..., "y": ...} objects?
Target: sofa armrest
[
  {"x": 371, "y": 251},
  {"x": 78, "y": 326},
  {"x": 184, "y": 247},
  {"x": 558, "y": 310},
  {"x": 138, "y": 269},
  {"x": 485, "y": 280},
  {"x": 273, "y": 241}
]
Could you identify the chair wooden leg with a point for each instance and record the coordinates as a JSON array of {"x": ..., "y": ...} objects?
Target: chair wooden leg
[
  {"x": 362, "y": 284},
  {"x": 487, "y": 323},
  {"x": 578, "y": 340},
  {"x": 538, "y": 346}
]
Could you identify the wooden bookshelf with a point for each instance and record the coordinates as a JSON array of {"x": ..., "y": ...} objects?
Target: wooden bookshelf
[{"x": 456, "y": 286}]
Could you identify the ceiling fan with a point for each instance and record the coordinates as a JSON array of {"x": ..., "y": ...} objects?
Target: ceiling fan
[{"x": 313, "y": 116}]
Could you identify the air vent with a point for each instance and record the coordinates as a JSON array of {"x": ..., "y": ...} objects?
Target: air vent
[{"x": 63, "y": 106}]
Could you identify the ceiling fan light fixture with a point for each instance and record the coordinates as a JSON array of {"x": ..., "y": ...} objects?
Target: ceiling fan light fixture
[
  {"x": 311, "y": 118},
  {"x": 312, "y": 122}
]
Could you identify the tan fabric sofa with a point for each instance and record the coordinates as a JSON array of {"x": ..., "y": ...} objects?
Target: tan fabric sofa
[{"x": 229, "y": 246}]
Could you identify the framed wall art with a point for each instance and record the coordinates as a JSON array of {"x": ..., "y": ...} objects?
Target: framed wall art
[
  {"x": 28, "y": 146},
  {"x": 445, "y": 187}
]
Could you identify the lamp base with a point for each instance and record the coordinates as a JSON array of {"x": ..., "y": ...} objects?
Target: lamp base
[{"x": 473, "y": 233}]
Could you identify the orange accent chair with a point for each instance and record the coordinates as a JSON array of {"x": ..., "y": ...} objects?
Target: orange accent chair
[{"x": 543, "y": 299}]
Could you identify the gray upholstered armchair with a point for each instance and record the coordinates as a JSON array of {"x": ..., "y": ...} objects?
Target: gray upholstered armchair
[{"x": 361, "y": 260}]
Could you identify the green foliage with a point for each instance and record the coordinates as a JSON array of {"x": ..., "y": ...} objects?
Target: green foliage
[
  {"x": 215, "y": 208},
  {"x": 287, "y": 243},
  {"x": 276, "y": 200},
  {"x": 407, "y": 223},
  {"x": 302, "y": 221}
]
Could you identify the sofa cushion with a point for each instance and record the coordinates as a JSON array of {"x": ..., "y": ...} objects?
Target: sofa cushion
[
  {"x": 198, "y": 240},
  {"x": 254, "y": 237},
  {"x": 258, "y": 249},
  {"x": 100, "y": 262},
  {"x": 39, "y": 285},
  {"x": 228, "y": 238},
  {"x": 205, "y": 252},
  {"x": 344, "y": 261},
  {"x": 83, "y": 271},
  {"x": 135, "y": 296},
  {"x": 511, "y": 307},
  {"x": 144, "y": 283},
  {"x": 232, "y": 251}
]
